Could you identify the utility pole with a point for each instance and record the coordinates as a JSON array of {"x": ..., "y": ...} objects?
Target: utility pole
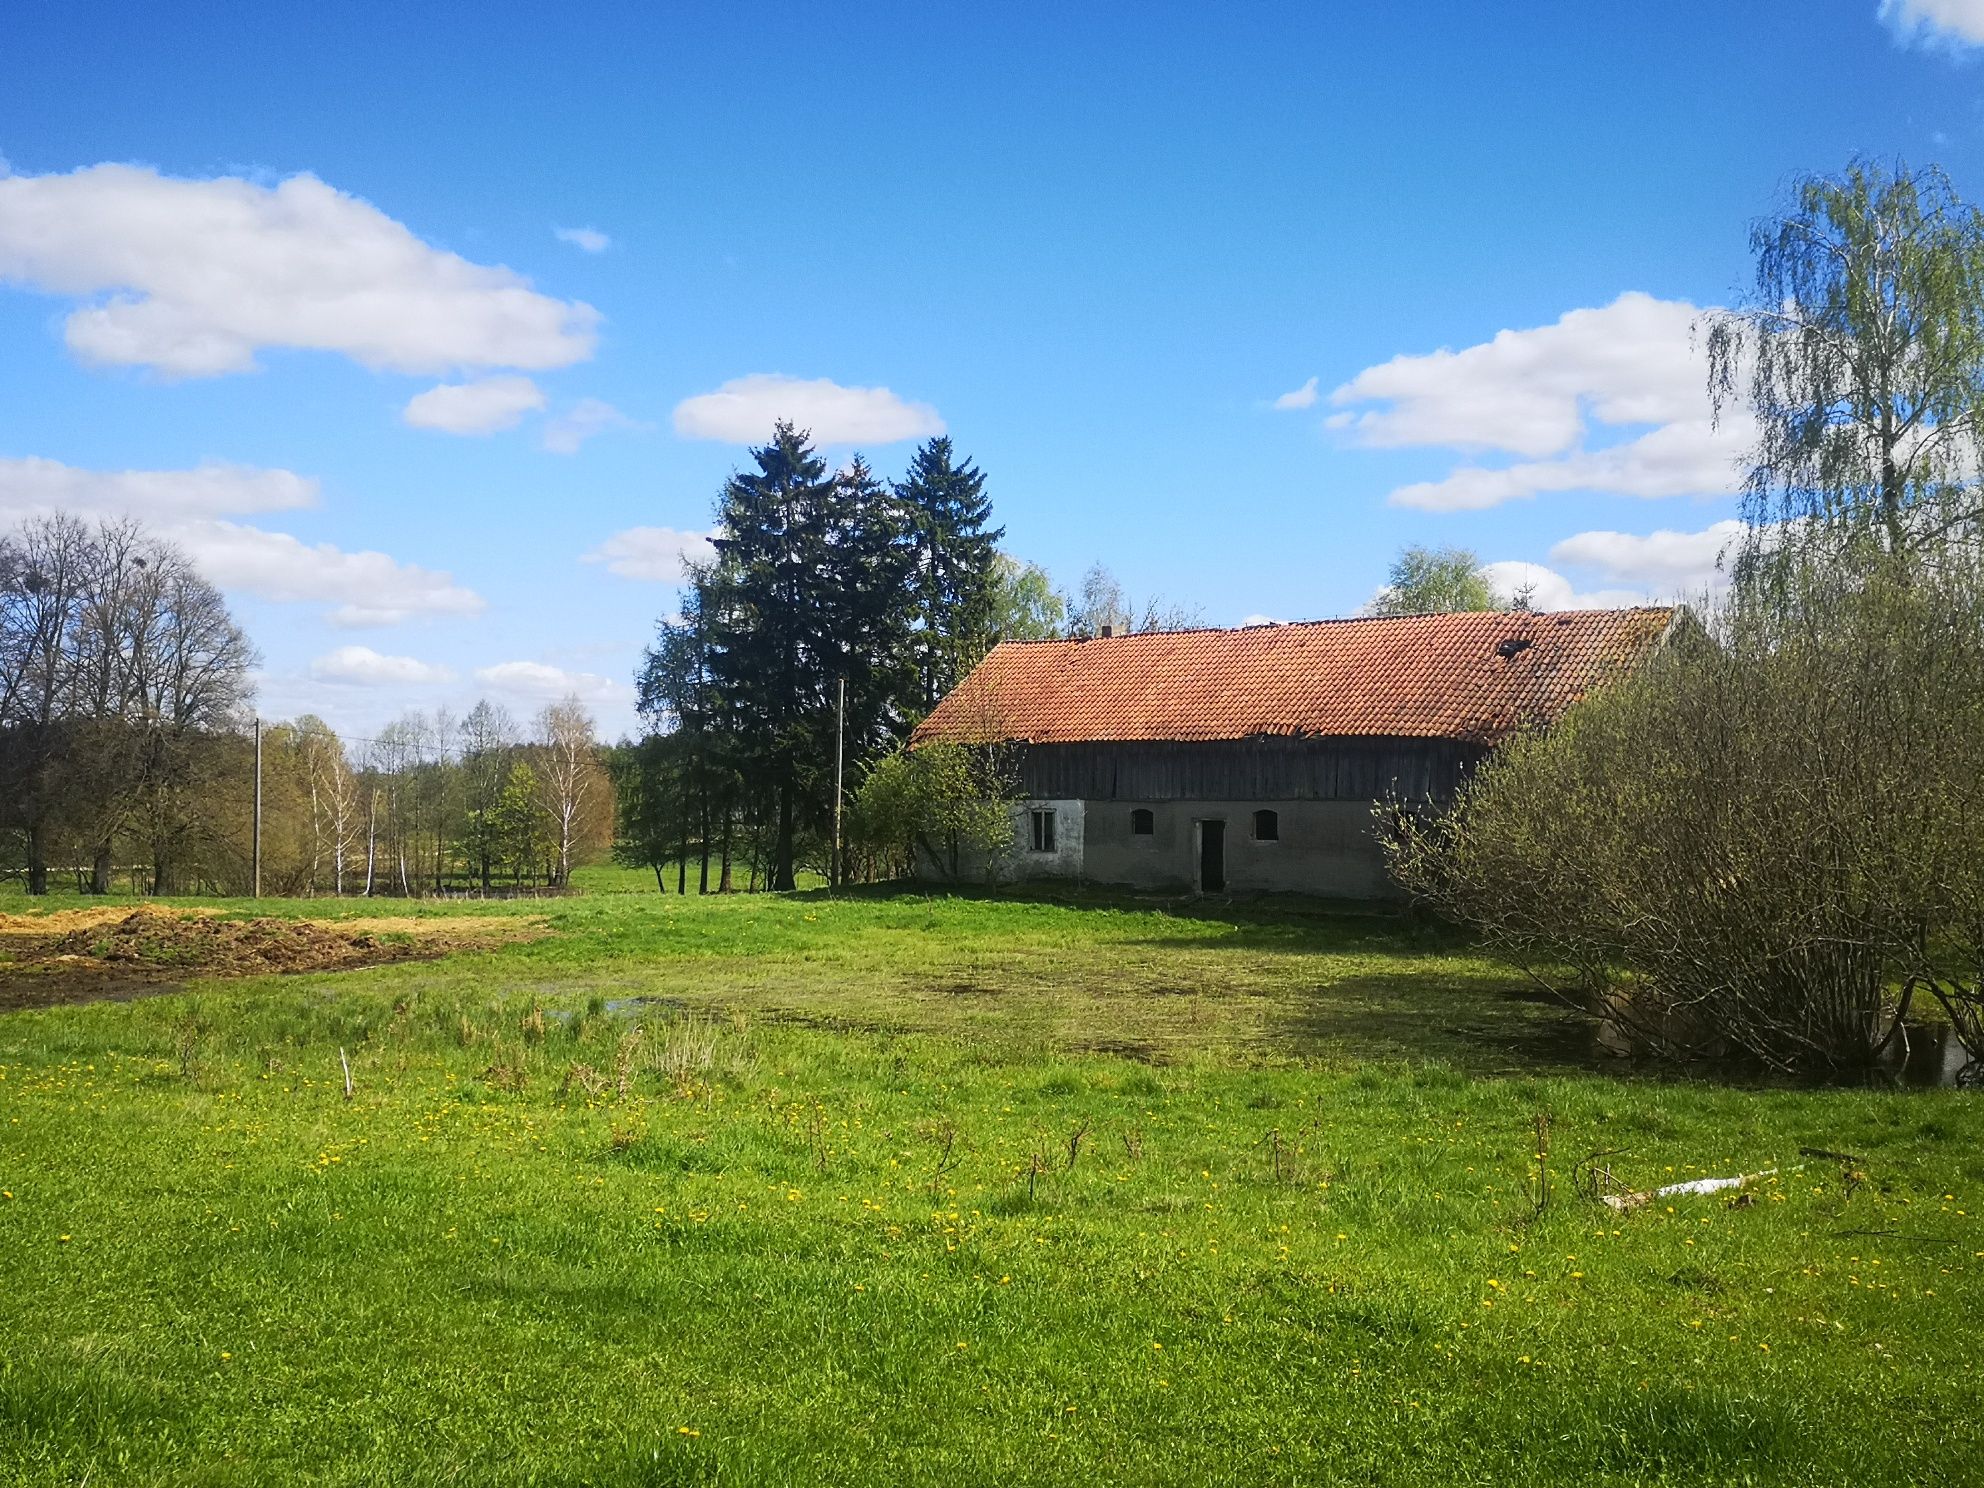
[
  {"x": 258, "y": 806},
  {"x": 840, "y": 757}
]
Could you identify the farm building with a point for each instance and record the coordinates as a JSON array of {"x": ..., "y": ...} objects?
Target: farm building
[{"x": 1249, "y": 760}]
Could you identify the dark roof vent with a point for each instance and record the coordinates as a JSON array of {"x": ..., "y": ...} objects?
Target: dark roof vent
[
  {"x": 1108, "y": 631},
  {"x": 1513, "y": 646}
]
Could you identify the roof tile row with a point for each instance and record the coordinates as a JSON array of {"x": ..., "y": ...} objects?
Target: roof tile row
[{"x": 1475, "y": 676}]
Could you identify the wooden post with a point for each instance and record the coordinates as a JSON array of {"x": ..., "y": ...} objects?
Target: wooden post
[
  {"x": 258, "y": 807},
  {"x": 840, "y": 760}
]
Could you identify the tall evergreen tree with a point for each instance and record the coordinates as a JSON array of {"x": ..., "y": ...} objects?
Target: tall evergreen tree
[
  {"x": 955, "y": 578},
  {"x": 813, "y": 588},
  {"x": 868, "y": 633},
  {"x": 761, "y": 607}
]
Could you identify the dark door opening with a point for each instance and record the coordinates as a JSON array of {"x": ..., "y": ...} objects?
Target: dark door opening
[{"x": 1212, "y": 857}]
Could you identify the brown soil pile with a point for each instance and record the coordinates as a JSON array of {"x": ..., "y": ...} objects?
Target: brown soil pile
[
  {"x": 42, "y": 924},
  {"x": 203, "y": 946},
  {"x": 95, "y": 955}
]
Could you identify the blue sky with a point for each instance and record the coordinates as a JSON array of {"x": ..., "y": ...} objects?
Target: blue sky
[{"x": 1097, "y": 244}]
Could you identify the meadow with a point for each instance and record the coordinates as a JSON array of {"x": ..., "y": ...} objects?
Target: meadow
[{"x": 901, "y": 1189}]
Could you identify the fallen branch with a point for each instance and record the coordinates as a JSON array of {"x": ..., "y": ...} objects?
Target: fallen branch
[{"x": 347, "y": 1073}]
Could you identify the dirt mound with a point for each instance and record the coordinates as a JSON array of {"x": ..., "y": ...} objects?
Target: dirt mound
[
  {"x": 43, "y": 923},
  {"x": 202, "y": 946},
  {"x": 144, "y": 950}
]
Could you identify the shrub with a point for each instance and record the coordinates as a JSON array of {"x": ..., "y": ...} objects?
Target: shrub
[
  {"x": 1766, "y": 840},
  {"x": 949, "y": 805}
]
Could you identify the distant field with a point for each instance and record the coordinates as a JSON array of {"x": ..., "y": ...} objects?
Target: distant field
[{"x": 944, "y": 1190}]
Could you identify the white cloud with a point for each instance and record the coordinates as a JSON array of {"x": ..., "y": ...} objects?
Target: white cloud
[
  {"x": 586, "y": 239},
  {"x": 194, "y": 277},
  {"x": 1657, "y": 568},
  {"x": 1302, "y": 397},
  {"x": 1542, "y": 394},
  {"x": 1666, "y": 563},
  {"x": 1527, "y": 392},
  {"x": 37, "y": 487},
  {"x": 484, "y": 406},
  {"x": 534, "y": 681},
  {"x": 1687, "y": 458},
  {"x": 654, "y": 553},
  {"x": 1262, "y": 620},
  {"x": 744, "y": 409},
  {"x": 364, "y": 667},
  {"x": 1953, "y": 22},
  {"x": 190, "y": 507},
  {"x": 364, "y": 588},
  {"x": 585, "y": 419}
]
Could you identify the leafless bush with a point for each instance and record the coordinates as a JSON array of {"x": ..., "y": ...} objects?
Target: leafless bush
[
  {"x": 623, "y": 1061},
  {"x": 685, "y": 1049},
  {"x": 583, "y": 1077},
  {"x": 1765, "y": 841}
]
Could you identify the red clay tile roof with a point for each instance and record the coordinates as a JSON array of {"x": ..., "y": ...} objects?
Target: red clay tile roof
[{"x": 1465, "y": 676}]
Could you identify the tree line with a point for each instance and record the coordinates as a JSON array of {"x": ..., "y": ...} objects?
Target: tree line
[
  {"x": 128, "y": 750},
  {"x": 838, "y": 609},
  {"x": 436, "y": 804}
]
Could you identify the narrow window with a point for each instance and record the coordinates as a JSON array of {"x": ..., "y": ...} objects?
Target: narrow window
[
  {"x": 1267, "y": 826},
  {"x": 1043, "y": 831},
  {"x": 1142, "y": 822}
]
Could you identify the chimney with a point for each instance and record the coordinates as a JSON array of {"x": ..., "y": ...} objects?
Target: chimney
[{"x": 1108, "y": 631}]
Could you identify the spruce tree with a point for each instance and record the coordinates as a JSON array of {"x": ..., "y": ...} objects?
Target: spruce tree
[
  {"x": 868, "y": 617},
  {"x": 761, "y": 614},
  {"x": 811, "y": 586},
  {"x": 955, "y": 578}
]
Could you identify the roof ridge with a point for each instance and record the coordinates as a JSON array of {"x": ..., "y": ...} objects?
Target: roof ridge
[{"x": 1272, "y": 625}]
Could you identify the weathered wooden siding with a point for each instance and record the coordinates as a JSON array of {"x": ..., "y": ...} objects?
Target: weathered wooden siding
[{"x": 1267, "y": 769}]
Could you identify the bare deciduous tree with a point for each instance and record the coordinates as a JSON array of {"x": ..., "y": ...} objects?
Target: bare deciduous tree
[
  {"x": 570, "y": 774},
  {"x": 117, "y": 662}
]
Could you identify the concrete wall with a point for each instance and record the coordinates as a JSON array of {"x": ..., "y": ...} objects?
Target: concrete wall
[
  {"x": 1325, "y": 848},
  {"x": 1066, "y": 861},
  {"x": 1018, "y": 861}
]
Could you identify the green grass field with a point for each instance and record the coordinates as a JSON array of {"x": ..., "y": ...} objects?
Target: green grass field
[{"x": 890, "y": 1189}]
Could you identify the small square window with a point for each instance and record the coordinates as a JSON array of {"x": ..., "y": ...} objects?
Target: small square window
[
  {"x": 1143, "y": 822},
  {"x": 1267, "y": 826},
  {"x": 1043, "y": 831}
]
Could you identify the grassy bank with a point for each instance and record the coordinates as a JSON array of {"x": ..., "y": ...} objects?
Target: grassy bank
[{"x": 907, "y": 1190}]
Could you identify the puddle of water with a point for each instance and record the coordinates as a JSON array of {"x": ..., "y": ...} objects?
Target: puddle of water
[
  {"x": 633, "y": 1007},
  {"x": 1934, "y": 1058}
]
